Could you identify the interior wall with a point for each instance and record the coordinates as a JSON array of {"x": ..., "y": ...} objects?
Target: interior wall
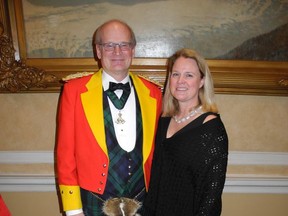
[{"x": 253, "y": 123}]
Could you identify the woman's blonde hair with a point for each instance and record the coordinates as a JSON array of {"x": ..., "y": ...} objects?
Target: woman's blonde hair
[{"x": 206, "y": 92}]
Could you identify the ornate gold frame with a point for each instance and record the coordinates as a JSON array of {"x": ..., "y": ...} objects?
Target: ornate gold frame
[{"x": 21, "y": 74}]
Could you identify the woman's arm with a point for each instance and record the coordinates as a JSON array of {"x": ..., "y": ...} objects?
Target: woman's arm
[{"x": 209, "y": 197}]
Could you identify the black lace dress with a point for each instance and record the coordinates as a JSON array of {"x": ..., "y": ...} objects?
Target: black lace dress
[{"x": 189, "y": 169}]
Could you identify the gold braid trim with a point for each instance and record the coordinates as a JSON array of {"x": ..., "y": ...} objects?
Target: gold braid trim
[
  {"x": 83, "y": 74},
  {"x": 150, "y": 80},
  {"x": 76, "y": 76}
]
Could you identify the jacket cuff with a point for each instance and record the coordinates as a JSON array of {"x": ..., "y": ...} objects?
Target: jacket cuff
[{"x": 71, "y": 197}]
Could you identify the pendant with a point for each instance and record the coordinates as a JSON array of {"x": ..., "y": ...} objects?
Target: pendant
[{"x": 120, "y": 120}]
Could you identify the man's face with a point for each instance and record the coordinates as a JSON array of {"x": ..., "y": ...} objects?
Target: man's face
[{"x": 115, "y": 59}]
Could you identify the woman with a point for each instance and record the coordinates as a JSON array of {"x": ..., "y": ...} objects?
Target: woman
[{"x": 190, "y": 157}]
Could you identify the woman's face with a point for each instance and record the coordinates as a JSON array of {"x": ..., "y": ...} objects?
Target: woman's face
[{"x": 185, "y": 81}]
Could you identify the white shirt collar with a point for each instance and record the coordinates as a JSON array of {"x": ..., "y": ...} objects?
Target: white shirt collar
[{"x": 106, "y": 78}]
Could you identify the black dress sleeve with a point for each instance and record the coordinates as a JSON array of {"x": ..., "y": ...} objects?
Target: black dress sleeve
[{"x": 214, "y": 175}]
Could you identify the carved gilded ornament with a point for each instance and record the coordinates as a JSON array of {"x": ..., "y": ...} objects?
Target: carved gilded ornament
[{"x": 16, "y": 75}]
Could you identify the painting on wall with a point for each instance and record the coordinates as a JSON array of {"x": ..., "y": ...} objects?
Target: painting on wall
[{"x": 218, "y": 29}]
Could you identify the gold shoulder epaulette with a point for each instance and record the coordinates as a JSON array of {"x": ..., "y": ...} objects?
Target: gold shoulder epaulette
[
  {"x": 76, "y": 76},
  {"x": 150, "y": 80}
]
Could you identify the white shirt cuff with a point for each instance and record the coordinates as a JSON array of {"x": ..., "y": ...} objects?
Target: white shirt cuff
[{"x": 73, "y": 212}]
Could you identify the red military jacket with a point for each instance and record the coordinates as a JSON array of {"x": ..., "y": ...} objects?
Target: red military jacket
[{"x": 82, "y": 157}]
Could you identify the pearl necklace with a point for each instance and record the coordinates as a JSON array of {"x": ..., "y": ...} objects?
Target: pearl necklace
[{"x": 192, "y": 113}]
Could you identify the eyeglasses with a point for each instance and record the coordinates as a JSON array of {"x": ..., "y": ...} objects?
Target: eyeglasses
[{"x": 124, "y": 46}]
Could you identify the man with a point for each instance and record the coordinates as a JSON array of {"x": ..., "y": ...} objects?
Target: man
[{"x": 104, "y": 147}]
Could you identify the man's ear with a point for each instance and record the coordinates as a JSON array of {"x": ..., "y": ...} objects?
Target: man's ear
[
  {"x": 133, "y": 52},
  {"x": 98, "y": 51}
]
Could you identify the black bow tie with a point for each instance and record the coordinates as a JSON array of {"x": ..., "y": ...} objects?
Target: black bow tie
[{"x": 114, "y": 86}]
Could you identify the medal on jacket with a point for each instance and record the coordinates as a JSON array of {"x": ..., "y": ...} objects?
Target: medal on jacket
[{"x": 120, "y": 120}]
